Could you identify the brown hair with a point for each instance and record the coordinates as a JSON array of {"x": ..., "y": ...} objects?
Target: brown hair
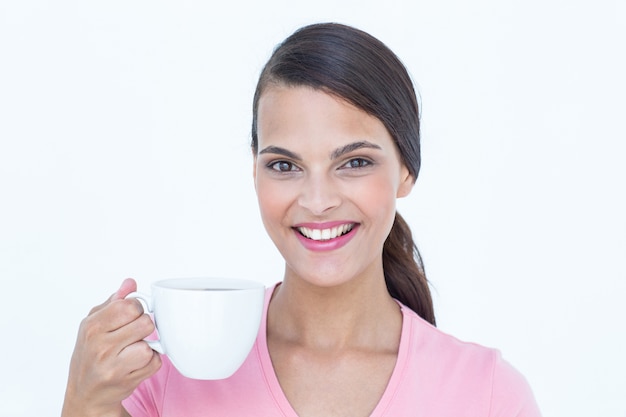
[{"x": 357, "y": 67}]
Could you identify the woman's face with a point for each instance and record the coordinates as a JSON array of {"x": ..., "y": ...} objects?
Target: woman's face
[{"x": 327, "y": 176}]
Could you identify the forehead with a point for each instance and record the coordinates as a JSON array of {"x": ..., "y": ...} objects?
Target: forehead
[{"x": 306, "y": 115}]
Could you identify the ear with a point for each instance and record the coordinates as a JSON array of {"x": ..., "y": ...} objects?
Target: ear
[
  {"x": 254, "y": 170},
  {"x": 406, "y": 183}
]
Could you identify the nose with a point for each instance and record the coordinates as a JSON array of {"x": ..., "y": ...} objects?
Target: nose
[{"x": 319, "y": 194}]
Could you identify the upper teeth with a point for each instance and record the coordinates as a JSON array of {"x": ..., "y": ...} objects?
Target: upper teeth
[{"x": 325, "y": 234}]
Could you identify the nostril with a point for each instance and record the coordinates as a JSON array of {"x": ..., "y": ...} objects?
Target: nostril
[{"x": 319, "y": 200}]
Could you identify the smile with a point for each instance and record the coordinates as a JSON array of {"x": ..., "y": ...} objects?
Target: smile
[
  {"x": 325, "y": 234},
  {"x": 324, "y": 237}
]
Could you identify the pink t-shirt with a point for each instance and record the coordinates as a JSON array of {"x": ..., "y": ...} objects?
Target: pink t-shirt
[{"x": 436, "y": 375}]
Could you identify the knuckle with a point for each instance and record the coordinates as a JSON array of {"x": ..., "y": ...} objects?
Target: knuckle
[
  {"x": 102, "y": 356},
  {"x": 126, "y": 310},
  {"x": 132, "y": 303},
  {"x": 90, "y": 328},
  {"x": 146, "y": 351},
  {"x": 141, "y": 355},
  {"x": 117, "y": 307},
  {"x": 134, "y": 306},
  {"x": 146, "y": 323},
  {"x": 108, "y": 375},
  {"x": 151, "y": 364},
  {"x": 155, "y": 363}
]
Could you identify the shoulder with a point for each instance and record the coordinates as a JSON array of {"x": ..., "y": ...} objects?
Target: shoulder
[
  {"x": 511, "y": 393},
  {"x": 442, "y": 347},
  {"x": 455, "y": 370}
]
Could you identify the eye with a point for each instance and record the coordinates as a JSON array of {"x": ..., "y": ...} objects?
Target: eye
[
  {"x": 282, "y": 166},
  {"x": 357, "y": 163}
]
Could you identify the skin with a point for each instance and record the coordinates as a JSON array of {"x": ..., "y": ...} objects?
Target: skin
[
  {"x": 110, "y": 358},
  {"x": 333, "y": 329}
]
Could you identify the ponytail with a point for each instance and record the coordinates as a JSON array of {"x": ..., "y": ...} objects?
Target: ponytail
[{"x": 404, "y": 271}]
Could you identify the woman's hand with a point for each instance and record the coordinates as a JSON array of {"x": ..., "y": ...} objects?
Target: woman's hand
[{"x": 110, "y": 357}]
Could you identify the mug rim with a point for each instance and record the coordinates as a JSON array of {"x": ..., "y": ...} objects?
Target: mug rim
[{"x": 215, "y": 283}]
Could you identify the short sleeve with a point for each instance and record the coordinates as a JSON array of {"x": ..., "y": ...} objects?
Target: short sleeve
[{"x": 511, "y": 393}]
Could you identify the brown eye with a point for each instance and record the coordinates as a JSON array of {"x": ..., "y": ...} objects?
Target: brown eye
[
  {"x": 282, "y": 166},
  {"x": 357, "y": 163}
]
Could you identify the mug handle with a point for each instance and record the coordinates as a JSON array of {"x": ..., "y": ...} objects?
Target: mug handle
[{"x": 146, "y": 303}]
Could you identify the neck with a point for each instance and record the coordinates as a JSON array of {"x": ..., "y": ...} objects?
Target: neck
[{"x": 352, "y": 315}]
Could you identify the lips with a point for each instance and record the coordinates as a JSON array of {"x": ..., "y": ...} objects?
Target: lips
[{"x": 325, "y": 236}]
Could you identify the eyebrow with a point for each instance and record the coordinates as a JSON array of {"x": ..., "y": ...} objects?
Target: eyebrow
[
  {"x": 281, "y": 151},
  {"x": 337, "y": 153}
]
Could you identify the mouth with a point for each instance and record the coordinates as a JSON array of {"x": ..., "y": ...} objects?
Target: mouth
[{"x": 325, "y": 234}]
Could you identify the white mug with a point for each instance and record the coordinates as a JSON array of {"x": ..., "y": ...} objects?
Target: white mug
[{"x": 206, "y": 326}]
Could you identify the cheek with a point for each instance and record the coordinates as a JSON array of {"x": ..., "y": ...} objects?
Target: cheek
[
  {"x": 378, "y": 192},
  {"x": 377, "y": 199},
  {"x": 273, "y": 202}
]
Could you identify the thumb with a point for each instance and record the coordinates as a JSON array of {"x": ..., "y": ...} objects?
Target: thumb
[{"x": 129, "y": 285}]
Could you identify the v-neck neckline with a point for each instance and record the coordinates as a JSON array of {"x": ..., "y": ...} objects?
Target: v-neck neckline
[{"x": 277, "y": 391}]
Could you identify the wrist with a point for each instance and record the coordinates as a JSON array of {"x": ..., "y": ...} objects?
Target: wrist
[{"x": 72, "y": 408}]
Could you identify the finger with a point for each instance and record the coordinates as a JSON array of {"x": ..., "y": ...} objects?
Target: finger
[
  {"x": 101, "y": 306},
  {"x": 135, "y": 331},
  {"x": 135, "y": 356},
  {"x": 153, "y": 365},
  {"x": 128, "y": 285},
  {"x": 137, "y": 362},
  {"x": 113, "y": 316}
]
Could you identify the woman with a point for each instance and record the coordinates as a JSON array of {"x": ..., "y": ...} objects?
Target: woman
[{"x": 350, "y": 329}]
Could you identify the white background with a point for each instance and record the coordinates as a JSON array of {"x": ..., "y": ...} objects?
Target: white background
[{"x": 124, "y": 131}]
